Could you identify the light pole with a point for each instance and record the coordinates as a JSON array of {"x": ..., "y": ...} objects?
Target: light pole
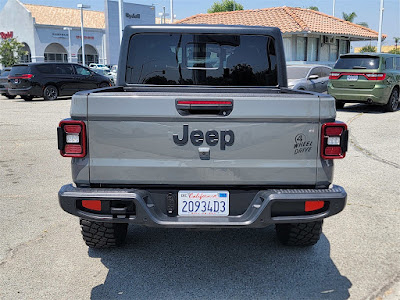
[
  {"x": 69, "y": 43},
  {"x": 380, "y": 28},
  {"x": 121, "y": 19},
  {"x": 172, "y": 10},
  {"x": 81, "y": 7},
  {"x": 333, "y": 10}
]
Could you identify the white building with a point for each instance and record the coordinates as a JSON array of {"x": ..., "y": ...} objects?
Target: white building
[{"x": 41, "y": 29}]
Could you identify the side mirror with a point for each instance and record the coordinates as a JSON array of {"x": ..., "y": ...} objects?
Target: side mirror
[{"x": 313, "y": 77}]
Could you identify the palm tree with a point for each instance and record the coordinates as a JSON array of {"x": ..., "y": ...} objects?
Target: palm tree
[
  {"x": 364, "y": 24},
  {"x": 396, "y": 40},
  {"x": 349, "y": 17},
  {"x": 314, "y": 8}
]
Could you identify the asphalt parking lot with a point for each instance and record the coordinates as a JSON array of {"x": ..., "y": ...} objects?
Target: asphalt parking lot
[{"x": 42, "y": 255}]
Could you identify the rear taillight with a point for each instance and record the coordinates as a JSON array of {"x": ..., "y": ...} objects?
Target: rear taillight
[
  {"x": 23, "y": 76},
  {"x": 334, "y": 140},
  {"x": 375, "y": 76},
  {"x": 334, "y": 75},
  {"x": 72, "y": 138}
]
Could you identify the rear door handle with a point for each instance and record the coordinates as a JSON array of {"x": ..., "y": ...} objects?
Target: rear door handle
[{"x": 204, "y": 107}]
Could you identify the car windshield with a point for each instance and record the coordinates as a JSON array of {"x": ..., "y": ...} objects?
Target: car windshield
[
  {"x": 202, "y": 59},
  {"x": 100, "y": 71},
  {"x": 297, "y": 72},
  {"x": 357, "y": 62}
]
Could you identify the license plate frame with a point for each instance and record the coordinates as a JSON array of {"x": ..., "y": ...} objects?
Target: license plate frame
[
  {"x": 352, "y": 77},
  {"x": 194, "y": 203}
]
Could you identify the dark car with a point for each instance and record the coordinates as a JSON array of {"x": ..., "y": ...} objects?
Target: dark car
[
  {"x": 4, "y": 83},
  {"x": 50, "y": 80}
]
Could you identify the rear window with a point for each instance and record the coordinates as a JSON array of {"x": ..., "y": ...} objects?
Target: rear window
[
  {"x": 357, "y": 62},
  {"x": 19, "y": 70},
  {"x": 5, "y": 73},
  {"x": 202, "y": 59}
]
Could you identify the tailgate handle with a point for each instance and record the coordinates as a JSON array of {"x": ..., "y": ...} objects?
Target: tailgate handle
[{"x": 204, "y": 107}]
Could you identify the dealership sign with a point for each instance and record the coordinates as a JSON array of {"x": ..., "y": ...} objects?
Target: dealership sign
[
  {"x": 85, "y": 37},
  {"x": 6, "y": 35},
  {"x": 132, "y": 16}
]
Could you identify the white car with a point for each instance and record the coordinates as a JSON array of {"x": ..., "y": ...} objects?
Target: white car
[
  {"x": 98, "y": 66},
  {"x": 308, "y": 77}
]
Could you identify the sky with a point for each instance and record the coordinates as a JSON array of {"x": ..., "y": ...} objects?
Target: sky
[{"x": 366, "y": 10}]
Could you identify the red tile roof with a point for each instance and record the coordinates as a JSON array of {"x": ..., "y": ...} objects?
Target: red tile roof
[
  {"x": 288, "y": 19},
  {"x": 60, "y": 16}
]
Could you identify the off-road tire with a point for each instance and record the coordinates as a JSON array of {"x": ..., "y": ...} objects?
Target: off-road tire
[
  {"x": 10, "y": 96},
  {"x": 340, "y": 104},
  {"x": 103, "y": 235},
  {"x": 50, "y": 92},
  {"x": 393, "y": 102},
  {"x": 299, "y": 234},
  {"x": 27, "y": 98}
]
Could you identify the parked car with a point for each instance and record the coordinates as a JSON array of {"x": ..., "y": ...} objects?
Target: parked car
[
  {"x": 50, "y": 80},
  {"x": 98, "y": 66},
  {"x": 372, "y": 78},
  {"x": 4, "y": 83},
  {"x": 114, "y": 71},
  {"x": 106, "y": 74},
  {"x": 308, "y": 77}
]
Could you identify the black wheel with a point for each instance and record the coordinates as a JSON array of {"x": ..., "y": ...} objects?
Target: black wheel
[
  {"x": 299, "y": 234},
  {"x": 103, "y": 235},
  {"x": 10, "y": 96},
  {"x": 393, "y": 101},
  {"x": 104, "y": 85},
  {"x": 27, "y": 98},
  {"x": 340, "y": 104},
  {"x": 50, "y": 92}
]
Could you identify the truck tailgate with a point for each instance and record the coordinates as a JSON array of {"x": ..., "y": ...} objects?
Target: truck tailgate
[{"x": 131, "y": 140}]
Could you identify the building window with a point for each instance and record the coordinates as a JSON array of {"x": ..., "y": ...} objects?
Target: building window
[
  {"x": 55, "y": 53},
  {"x": 91, "y": 55},
  {"x": 343, "y": 47},
  {"x": 301, "y": 49},
  {"x": 333, "y": 51},
  {"x": 312, "y": 49},
  {"x": 287, "y": 45}
]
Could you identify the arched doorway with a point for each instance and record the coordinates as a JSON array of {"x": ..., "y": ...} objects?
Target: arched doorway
[
  {"x": 26, "y": 58},
  {"x": 91, "y": 55},
  {"x": 55, "y": 53}
]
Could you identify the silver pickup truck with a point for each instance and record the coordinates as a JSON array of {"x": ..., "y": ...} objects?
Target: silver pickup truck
[{"x": 201, "y": 132}]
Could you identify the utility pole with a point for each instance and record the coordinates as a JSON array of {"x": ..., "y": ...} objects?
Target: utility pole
[{"x": 379, "y": 46}]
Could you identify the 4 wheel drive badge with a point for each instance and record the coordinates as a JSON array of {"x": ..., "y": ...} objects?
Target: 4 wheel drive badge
[{"x": 225, "y": 137}]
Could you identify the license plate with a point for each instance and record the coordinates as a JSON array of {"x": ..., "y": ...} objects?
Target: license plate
[
  {"x": 203, "y": 203},
  {"x": 352, "y": 77}
]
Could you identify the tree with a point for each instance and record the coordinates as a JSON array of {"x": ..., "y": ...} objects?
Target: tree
[
  {"x": 11, "y": 52},
  {"x": 396, "y": 41},
  {"x": 395, "y": 51},
  {"x": 364, "y": 24},
  {"x": 314, "y": 8},
  {"x": 225, "y": 5},
  {"x": 368, "y": 48},
  {"x": 349, "y": 17}
]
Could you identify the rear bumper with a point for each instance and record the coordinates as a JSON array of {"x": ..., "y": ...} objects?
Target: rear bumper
[
  {"x": 3, "y": 91},
  {"x": 258, "y": 214},
  {"x": 30, "y": 91},
  {"x": 378, "y": 95}
]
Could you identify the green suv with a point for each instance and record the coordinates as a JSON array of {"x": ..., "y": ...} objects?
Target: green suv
[{"x": 372, "y": 78}]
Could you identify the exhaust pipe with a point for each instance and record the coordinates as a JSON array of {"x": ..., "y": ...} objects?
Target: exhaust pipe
[{"x": 369, "y": 101}]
